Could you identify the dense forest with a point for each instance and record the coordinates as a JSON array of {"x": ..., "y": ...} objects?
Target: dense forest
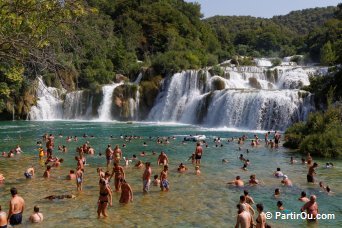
[{"x": 84, "y": 44}]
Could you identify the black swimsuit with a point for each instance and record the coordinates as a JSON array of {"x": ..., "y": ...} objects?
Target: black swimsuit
[{"x": 104, "y": 194}]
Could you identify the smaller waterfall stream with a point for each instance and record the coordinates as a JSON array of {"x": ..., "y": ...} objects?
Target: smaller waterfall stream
[
  {"x": 49, "y": 105},
  {"x": 105, "y": 108}
]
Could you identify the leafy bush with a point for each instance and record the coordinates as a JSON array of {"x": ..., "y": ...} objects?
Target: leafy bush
[
  {"x": 216, "y": 70},
  {"x": 297, "y": 59},
  {"x": 320, "y": 135},
  {"x": 276, "y": 62}
]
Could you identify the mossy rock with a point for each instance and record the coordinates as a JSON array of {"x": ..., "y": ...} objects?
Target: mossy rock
[
  {"x": 218, "y": 84},
  {"x": 303, "y": 94},
  {"x": 121, "y": 105},
  {"x": 272, "y": 75},
  {"x": 202, "y": 109},
  {"x": 149, "y": 90},
  {"x": 254, "y": 83}
]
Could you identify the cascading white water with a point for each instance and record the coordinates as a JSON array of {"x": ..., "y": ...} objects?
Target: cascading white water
[
  {"x": 183, "y": 90},
  {"x": 247, "y": 97},
  {"x": 134, "y": 106},
  {"x": 256, "y": 109},
  {"x": 49, "y": 105},
  {"x": 105, "y": 109},
  {"x": 250, "y": 97},
  {"x": 78, "y": 105}
]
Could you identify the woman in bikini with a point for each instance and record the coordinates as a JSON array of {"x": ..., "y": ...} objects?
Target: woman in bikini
[
  {"x": 261, "y": 219},
  {"x": 104, "y": 198},
  {"x": 118, "y": 173}
]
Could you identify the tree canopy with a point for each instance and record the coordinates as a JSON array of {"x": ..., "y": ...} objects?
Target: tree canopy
[{"x": 83, "y": 44}]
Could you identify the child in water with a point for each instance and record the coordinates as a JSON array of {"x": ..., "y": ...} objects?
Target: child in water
[
  {"x": 41, "y": 153},
  {"x": 197, "y": 170},
  {"x": 156, "y": 181}
]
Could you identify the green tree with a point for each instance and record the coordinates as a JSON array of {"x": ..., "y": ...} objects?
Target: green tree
[
  {"x": 29, "y": 29},
  {"x": 328, "y": 55}
]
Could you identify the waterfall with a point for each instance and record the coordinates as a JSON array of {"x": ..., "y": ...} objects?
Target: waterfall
[
  {"x": 137, "y": 81},
  {"x": 244, "y": 97},
  {"x": 106, "y": 103},
  {"x": 134, "y": 106},
  {"x": 182, "y": 91},
  {"x": 251, "y": 97},
  {"x": 78, "y": 105},
  {"x": 254, "y": 109},
  {"x": 49, "y": 104},
  {"x": 263, "y": 62}
]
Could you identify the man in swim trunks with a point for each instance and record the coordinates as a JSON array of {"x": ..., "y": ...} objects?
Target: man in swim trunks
[
  {"x": 17, "y": 205},
  {"x": 80, "y": 163},
  {"x": 147, "y": 177},
  {"x": 198, "y": 153},
  {"x": 311, "y": 208},
  {"x": 3, "y": 219},
  {"x": 36, "y": 217},
  {"x": 164, "y": 183},
  {"x": 29, "y": 172},
  {"x": 163, "y": 159},
  {"x": 79, "y": 179},
  {"x": 311, "y": 173},
  {"x": 109, "y": 154}
]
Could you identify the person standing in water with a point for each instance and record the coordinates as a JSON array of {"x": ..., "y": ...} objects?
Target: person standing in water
[
  {"x": 164, "y": 183},
  {"x": 104, "y": 198},
  {"x": 147, "y": 177},
  {"x": 36, "y": 217},
  {"x": 118, "y": 173},
  {"x": 311, "y": 173},
  {"x": 109, "y": 155},
  {"x": 261, "y": 219},
  {"x": 311, "y": 209},
  {"x": 3, "y": 219},
  {"x": 198, "y": 153},
  {"x": 126, "y": 192},
  {"x": 163, "y": 159},
  {"x": 29, "y": 173},
  {"x": 117, "y": 154},
  {"x": 79, "y": 179},
  {"x": 17, "y": 205},
  {"x": 244, "y": 218}
]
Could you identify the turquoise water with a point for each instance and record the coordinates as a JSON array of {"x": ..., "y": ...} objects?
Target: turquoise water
[{"x": 193, "y": 201}]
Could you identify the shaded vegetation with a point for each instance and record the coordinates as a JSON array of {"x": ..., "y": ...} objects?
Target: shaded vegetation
[{"x": 320, "y": 135}]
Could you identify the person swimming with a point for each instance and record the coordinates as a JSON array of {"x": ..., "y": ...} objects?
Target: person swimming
[
  {"x": 278, "y": 173},
  {"x": 67, "y": 196}
]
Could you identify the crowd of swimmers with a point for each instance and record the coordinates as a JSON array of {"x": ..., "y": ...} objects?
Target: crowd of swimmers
[{"x": 114, "y": 157}]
